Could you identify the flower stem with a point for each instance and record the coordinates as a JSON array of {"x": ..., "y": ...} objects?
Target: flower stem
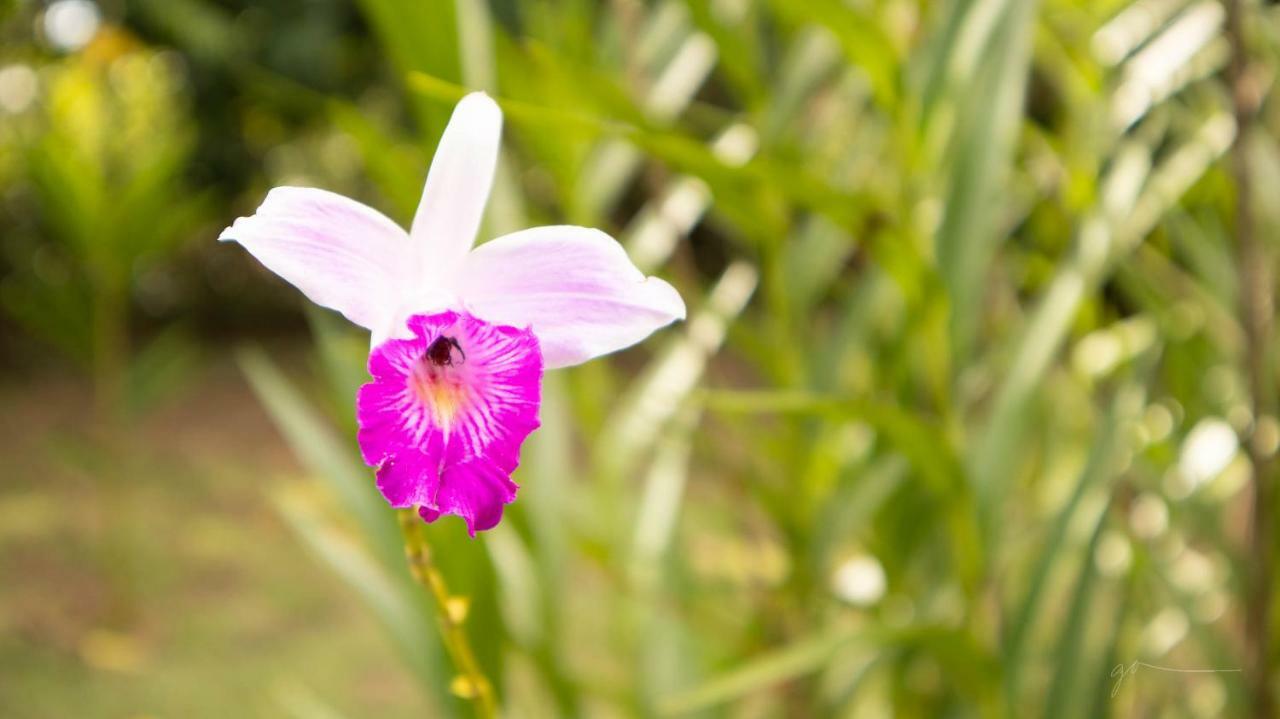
[{"x": 471, "y": 682}]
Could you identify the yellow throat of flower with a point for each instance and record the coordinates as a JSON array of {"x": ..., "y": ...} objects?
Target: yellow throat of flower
[{"x": 441, "y": 390}]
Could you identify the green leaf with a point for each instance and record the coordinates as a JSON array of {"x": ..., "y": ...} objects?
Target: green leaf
[
  {"x": 988, "y": 112},
  {"x": 1098, "y": 468},
  {"x": 401, "y": 610},
  {"x": 1132, "y": 199},
  {"x": 761, "y": 673},
  {"x": 923, "y": 445},
  {"x": 1063, "y": 691},
  {"x": 320, "y": 450},
  {"x": 420, "y": 37}
]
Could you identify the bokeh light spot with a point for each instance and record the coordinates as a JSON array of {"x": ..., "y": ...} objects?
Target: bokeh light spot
[{"x": 70, "y": 24}]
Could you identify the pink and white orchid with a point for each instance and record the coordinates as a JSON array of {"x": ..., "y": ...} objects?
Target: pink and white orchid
[{"x": 460, "y": 336}]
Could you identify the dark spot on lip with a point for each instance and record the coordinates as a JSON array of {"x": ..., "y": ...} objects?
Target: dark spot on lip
[{"x": 441, "y": 351}]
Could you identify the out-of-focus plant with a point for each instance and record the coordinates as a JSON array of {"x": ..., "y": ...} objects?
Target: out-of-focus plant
[{"x": 100, "y": 159}]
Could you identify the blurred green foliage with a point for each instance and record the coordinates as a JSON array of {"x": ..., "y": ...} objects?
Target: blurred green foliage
[
  {"x": 952, "y": 429},
  {"x": 104, "y": 154}
]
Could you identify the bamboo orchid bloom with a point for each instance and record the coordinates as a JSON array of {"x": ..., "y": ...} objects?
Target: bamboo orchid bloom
[{"x": 460, "y": 336}]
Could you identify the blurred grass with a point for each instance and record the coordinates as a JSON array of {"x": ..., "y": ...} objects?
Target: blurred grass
[
  {"x": 961, "y": 284},
  {"x": 163, "y": 585}
]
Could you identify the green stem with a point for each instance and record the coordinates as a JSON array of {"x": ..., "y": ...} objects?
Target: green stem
[{"x": 471, "y": 682}]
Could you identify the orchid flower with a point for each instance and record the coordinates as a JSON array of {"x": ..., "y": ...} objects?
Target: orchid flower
[{"x": 460, "y": 336}]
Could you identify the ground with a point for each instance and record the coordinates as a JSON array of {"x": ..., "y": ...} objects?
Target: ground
[{"x": 156, "y": 580}]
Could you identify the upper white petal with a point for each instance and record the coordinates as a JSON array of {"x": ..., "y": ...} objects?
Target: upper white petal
[
  {"x": 574, "y": 286},
  {"x": 457, "y": 188},
  {"x": 342, "y": 254}
]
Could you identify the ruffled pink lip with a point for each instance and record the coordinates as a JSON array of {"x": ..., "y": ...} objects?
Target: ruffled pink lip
[{"x": 446, "y": 412}]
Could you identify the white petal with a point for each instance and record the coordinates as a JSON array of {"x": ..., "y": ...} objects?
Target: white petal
[
  {"x": 340, "y": 253},
  {"x": 457, "y": 188},
  {"x": 575, "y": 287}
]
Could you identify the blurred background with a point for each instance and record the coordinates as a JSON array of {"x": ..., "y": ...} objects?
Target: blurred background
[{"x": 969, "y": 411}]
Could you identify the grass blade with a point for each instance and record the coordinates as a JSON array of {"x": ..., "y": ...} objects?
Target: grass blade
[
  {"x": 320, "y": 450},
  {"x": 402, "y": 612}
]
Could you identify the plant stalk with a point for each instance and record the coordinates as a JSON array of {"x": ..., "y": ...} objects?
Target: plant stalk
[
  {"x": 471, "y": 682},
  {"x": 110, "y": 348},
  {"x": 1257, "y": 312}
]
